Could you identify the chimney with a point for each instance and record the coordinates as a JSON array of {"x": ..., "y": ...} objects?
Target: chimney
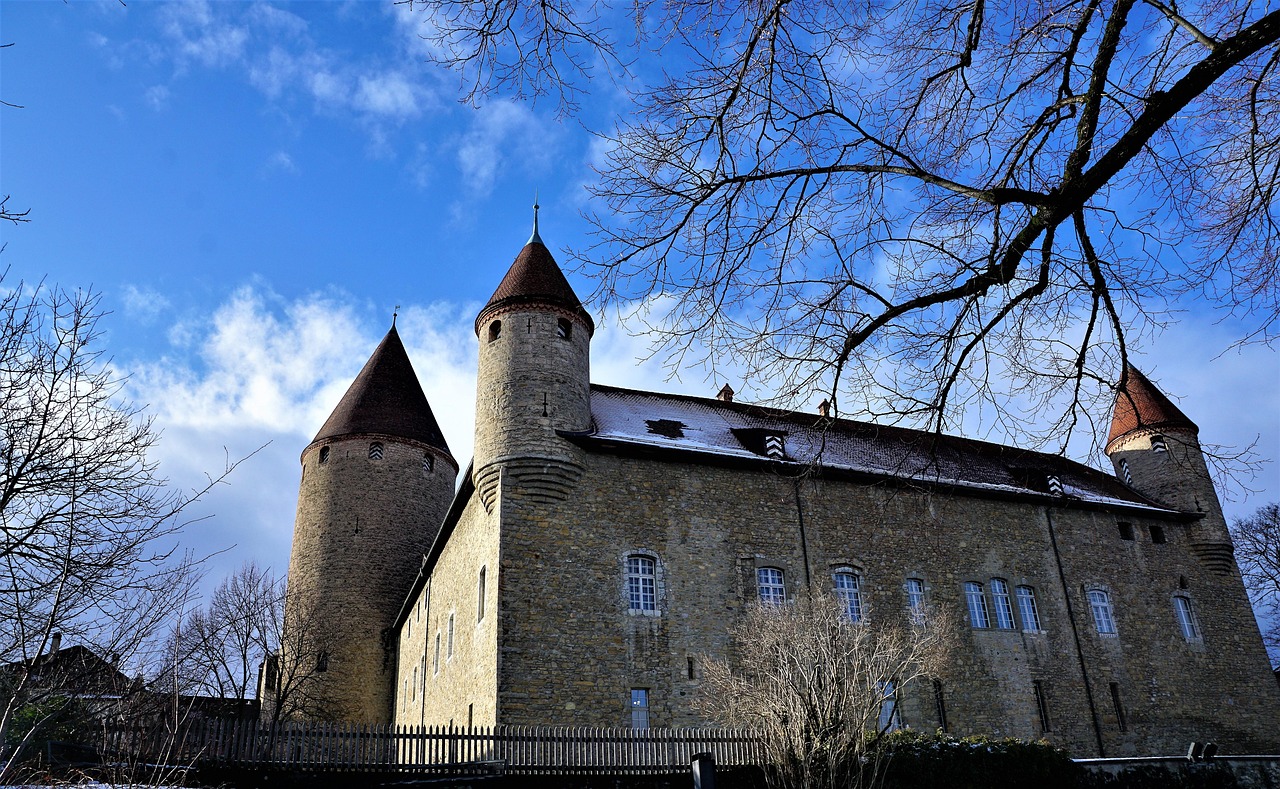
[
  {"x": 824, "y": 409},
  {"x": 55, "y": 643},
  {"x": 725, "y": 395}
]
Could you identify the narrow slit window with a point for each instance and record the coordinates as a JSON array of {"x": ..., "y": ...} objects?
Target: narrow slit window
[
  {"x": 428, "y": 463},
  {"x": 977, "y": 604},
  {"x": 693, "y": 668},
  {"x": 770, "y": 586},
  {"x": 435, "y": 658},
  {"x": 1042, "y": 706},
  {"x": 322, "y": 661},
  {"x": 1118, "y": 707},
  {"x": 480, "y": 589},
  {"x": 940, "y": 704},
  {"x": 1004, "y": 605},
  {"x": 449, "y": 640},
  {"x": 1125, "y": 473}
]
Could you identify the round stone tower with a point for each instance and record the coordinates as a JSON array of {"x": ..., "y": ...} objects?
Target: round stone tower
[
  {"x": 534, "y": 379},
  {"x": 376, "y": 484},
  {"x": 1156, "y": 450}
]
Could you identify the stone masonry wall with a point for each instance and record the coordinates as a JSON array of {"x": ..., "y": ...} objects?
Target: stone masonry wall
[
  {"x": 361, "y": 530},
  {"x": 462, "y": 688},
  {"x": 571, "y": 651}
]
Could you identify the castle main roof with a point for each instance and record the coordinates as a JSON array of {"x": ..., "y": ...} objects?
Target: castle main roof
[
  {"x": 386, "y": 398},
  {"x": 713, "y": 431},
  {"x": 1140, "y": 405},
  {"x": 535, "y": 278}
]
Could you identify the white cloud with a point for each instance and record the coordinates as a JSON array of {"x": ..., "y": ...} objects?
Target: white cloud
[
  {"x": 197, "y": 34},
  {"x": 389, "y": 94},
  {"x": 281, "y": 161},
  {"x": 157, "y": 96},
  {"x": 143, "y": 304},
  {"x": 502, "y": 136}
]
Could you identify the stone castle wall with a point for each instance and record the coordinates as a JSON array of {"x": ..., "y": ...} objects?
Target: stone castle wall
[
  {"x": 362, "y": 528},
  {"x": 460, "y": 689},
  {"x": 571, "y": 651}
]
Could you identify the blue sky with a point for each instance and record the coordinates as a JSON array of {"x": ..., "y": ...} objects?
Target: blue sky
[{"x": 254, "y": 187}]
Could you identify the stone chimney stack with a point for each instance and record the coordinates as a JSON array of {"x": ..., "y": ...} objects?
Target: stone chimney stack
[
  {"x": 824, "y": 409},
  {"x": 55, "y": 643}
]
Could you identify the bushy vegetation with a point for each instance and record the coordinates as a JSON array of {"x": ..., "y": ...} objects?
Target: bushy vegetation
[{"x": 912, "y": 759}]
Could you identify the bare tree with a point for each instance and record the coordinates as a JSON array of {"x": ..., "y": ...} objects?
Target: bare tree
[
  {"x": 929, "y": 208},
  {"x": 1257, "y": 540},
  {"x": 218, "y": 650},
  {"x": 87, "y": 526},
  {"x": 819, "y": 688}
]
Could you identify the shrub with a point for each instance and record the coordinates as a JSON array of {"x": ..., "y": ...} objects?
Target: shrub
[{"x": 912, "y": 760}]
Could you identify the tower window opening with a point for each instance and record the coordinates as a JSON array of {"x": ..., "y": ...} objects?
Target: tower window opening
[
  {"x": 1125, "y": 472},
  {"x": 1157, "y": 535},
  {"x": 1158, "y": 443},
  {"x": 428, "y": 463},
  {"x": 564, "y": 329},
  {"x": 1126, "y": 530},
  {"x": 324, "y": 455},
  {"x": 375, "y": 450},
  {"x": 495, "y": 330}
]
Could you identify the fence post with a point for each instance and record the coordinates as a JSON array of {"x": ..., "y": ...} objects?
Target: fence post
[{"x": 704, "y": 771}]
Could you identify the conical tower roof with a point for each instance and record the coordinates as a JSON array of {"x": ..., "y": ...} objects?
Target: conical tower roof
[
  {"x": 386, "y": 398},
  {"x": 535, "y": 278},
  {"x": 1140, "y": 405}
]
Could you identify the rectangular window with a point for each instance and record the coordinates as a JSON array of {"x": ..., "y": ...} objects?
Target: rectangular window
[
  {"x": 1119, "y": 708},
  {"x": 940, "y": 704},
  {"x": 1103, "y": 620},
  {"x": 639, "y": 708},
  {"x": 977, "y": 605},
  {"x": 480, "y": 583},
  {"x": 1042, "y": 705},
  {"x": 435, "y": 659},
  {"x": 890, "y": 719},
  {"x": 1027, "y": 608},
  {"x": 449, "y": 643},
  {"x": 849, "y": 593},
  {"x": 642, "y": 586},
  {"x": 1004, "y": 606},
  {"x": 1186, "y": 618},
  {"x": 915, "y": 598},
  {"x": 769, "y": 583}
]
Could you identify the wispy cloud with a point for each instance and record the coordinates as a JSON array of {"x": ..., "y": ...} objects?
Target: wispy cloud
[
  {"x": 504, "y": 135},
  {"x": 143, "y": 304}
]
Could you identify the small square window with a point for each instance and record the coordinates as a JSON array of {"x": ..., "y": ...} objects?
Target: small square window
[
  {"x": 1157, "y": 535},
  {"x": 1126, "y": 530}
]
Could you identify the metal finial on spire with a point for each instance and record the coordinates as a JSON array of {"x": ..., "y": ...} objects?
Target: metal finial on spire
[
  {"x": 394, "y": 313},
  {"x": 535, "y": 236}
]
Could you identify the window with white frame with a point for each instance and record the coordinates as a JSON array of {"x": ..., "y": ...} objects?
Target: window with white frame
[
  {"x": 890, "y": 718},
  {"x": 914, "y": 588},
  {"x": 977, "y": 604},
  {"x": 1186, "y": 618},
  {"x": 769, "y": 584},
  {"x": 642, "y": 584},
  {"x": 1003, "y": 604},
  {"x": 849, "y": 592},
  {"x": 1027, "y": 608},
  {"x": 1103, "y": 616},
  {"x": 639, "y": 708}
]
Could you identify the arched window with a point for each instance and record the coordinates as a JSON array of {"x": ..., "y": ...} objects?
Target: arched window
[
  {"x": 1186, "y": 618},
  {"x": 324, "y": 455},
  {"x": 375, "y": 450},
  {"x": 642, "y": 584},
  {"x": 770, "y": 586},
  {"x": 977, "y": 603},
  {"x": 848, "y": 588},
  {"x": 495, "y": 330},
  {"x": 1004, "y": 606},
  {"x": 1103, "y": 616}
]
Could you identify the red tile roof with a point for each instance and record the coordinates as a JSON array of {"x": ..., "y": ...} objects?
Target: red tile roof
[
  {"x": 1140, "y": 405},
  {"x": 534, "y": 277},
  {"x": 386, "y": 398}
]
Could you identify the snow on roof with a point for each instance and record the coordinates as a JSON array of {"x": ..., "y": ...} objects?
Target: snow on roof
[{"x": 739, "y": 430}]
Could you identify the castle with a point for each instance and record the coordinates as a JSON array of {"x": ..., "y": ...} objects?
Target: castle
[{"x": 602, "y": 540}]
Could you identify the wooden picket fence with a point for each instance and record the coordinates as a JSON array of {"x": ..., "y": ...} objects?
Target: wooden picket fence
[{"x": 480, "y": 749}]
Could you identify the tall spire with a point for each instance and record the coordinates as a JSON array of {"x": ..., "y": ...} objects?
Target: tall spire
[
  {"x": 535, "y": 238},
  {"x": 1140, "y": 405},
  {"x": 535, "y": 278}
]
